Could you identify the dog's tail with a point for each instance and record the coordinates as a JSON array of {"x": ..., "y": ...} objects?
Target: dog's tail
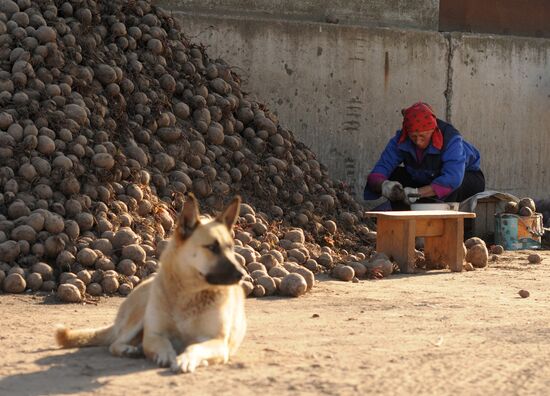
[{"x": 68, "y": 338}]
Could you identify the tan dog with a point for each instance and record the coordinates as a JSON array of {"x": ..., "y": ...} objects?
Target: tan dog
[{"x": 194, "y": 304}]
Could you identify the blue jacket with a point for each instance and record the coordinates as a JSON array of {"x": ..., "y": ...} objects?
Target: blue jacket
[{"x": 444, "y": 167}]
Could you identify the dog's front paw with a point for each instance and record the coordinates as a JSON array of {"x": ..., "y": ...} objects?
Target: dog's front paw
[
  {"x": 165, "y": 359},
  {"x": 187, "y": 363}
]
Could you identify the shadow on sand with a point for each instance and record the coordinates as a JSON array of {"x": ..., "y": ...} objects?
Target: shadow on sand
[{"x": 81, "y": 370}]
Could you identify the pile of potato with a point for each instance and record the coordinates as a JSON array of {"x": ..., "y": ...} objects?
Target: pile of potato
[
  {"x": 524, "y": 207},
  {"x": 108, "y": 116}
]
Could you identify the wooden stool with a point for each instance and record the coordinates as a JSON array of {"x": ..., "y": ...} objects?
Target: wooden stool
[{"x": 443, "y": 232}]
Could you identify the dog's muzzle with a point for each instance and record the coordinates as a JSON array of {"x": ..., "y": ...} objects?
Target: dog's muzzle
[{"x": 225, "y": 273}]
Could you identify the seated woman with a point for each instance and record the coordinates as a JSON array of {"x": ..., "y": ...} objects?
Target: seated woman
[{"x": 426, "y": 158}]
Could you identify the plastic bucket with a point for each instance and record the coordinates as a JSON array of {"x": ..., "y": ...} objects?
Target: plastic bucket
[{"x": 515, "y": 232}]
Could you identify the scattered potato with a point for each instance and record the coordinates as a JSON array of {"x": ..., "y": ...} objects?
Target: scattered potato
[
  {"x": 523, "y": 293},
  {"x": 473, "y": 241},
  {"x": 497, "y": 249},
  {"x": 293, "y": 285},
  {"x": 14, "y": 283},
  {"x": 359, "y": 269},
  {"x": 478, "y": 255},
  {"x": 258, "y": 291},
  {"x": 69, "y": 293},
  {"x": 534, "y": 258},
  {"x": 343, "y": 272},
  {"x": 468, "y": 266},
  {"x": 381, "y": 264}
]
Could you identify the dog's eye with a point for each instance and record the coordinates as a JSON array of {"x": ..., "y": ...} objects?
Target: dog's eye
[{"x": 214, "y": 247}]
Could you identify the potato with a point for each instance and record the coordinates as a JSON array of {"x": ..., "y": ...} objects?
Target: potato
[
  {"x": 45, "y": 270},
  {"x": 312, "y": 265},
  {"x": 308, "y": 276},
  {"x": 478, "y": 255},
  {"x": 523, "y": 293},
  {"x": 125, "y": 288},
  {"x": 497, "y": 249},
  {"x": 382, "y": 265},
  {"x": 94, "y": 289},
  {"x": 278, "y": 272},
  {"x": 255, "y": 266},
  {"x": 65, "y": 276},
  {"x": 295, "y": 235},
  {"x": 293, "y": 285},
  {"x": 123, "y": 237},
  {"x": 34, "y": 281},
  {"x": 359, "y": 269},
  {"x": 69, "y": 293},
  {"x": 79, "y": 284},
  {"x": 257, "y": 273},
  {"x": 48, "y": 286},
  {"x": 9, "y": 251},
  {"x": 343, "y": 272},
  {"x": 269, "y": 261},
  {"x": 14, "y": 283},
  {"x": 511, "y": 207},
  {"x": 268, "y": 284},
  {"x": 298, "y": 255},
  {"x": 110, "y": 284},
  {"x": 127, "y": 267},
  {"x": 87, "y": 257},
  {"x": 527, "y": 203},
  {"x": 324, "y": 259},
  {"x": 84, "y": 276},
  {"x": 278, "y": 282},
  {"x": 534, "y": 258},
  {"x": 104, "y": 264},
  {"x": 248, "y": 287},
  {"x": 525, "y": 211},
  {"x": 258, "y": 291},
  {"x": 473, "y": 241}
]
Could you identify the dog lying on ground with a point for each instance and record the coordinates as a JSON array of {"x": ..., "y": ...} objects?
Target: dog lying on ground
[{"x": 194, "y": 304}]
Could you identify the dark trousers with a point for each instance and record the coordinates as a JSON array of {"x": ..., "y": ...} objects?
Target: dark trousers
[{"x": 473, "y": 183}]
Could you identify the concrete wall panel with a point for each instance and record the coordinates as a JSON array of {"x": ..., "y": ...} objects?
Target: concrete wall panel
[
  {"x": 419, "y": 14},
  {"x": 500, "y": 101}
]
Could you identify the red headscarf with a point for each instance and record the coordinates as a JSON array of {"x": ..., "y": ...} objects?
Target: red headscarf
[{"x": 420, "y": 117}]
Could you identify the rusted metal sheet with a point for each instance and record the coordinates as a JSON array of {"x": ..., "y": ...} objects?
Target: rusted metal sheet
[{"x": 510, "y": 17}]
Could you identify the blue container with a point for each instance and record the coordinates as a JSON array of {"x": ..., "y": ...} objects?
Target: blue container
[{"x": 515, "y": 232}]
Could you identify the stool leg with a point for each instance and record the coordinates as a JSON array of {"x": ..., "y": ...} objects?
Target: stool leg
[
  {"x": 447, "y": 248},
  {"x": 395, "y": 238}
]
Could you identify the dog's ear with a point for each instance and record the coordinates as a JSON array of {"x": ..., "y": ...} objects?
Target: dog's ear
[
  {"x": 230, "y": 214},
  {"x": 189, "y": 217}
]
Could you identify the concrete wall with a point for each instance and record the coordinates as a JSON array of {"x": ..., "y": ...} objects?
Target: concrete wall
[
  {"x": 501, "y": 99},
  {"x": 420, "y": 14},
  {"x": 341, "y": 88}
]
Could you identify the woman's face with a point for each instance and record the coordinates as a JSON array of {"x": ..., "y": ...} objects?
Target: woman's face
[{"x": 421, "y": 139}]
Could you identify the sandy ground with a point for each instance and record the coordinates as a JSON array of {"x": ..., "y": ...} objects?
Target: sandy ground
[{"x": 434, "y": 333}]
